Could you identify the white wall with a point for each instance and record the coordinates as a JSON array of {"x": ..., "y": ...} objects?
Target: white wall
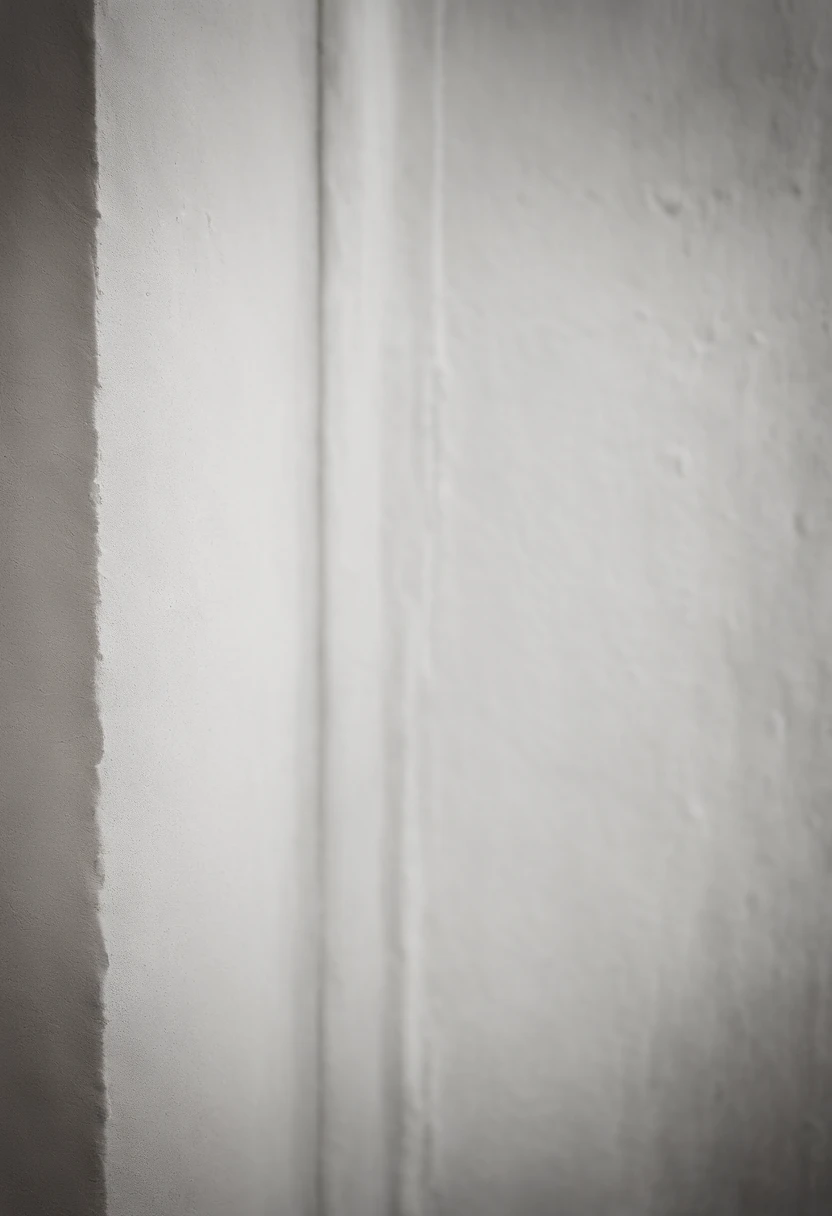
[
  {"x": 623, "y": 764},
  {"x": 206, "y": 314},
  {"x": 601, "y": 412},
  {"x": 576, "y": 522}
]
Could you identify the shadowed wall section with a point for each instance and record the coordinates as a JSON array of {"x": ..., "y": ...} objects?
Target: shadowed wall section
[{"x": 51, "y": 1099}]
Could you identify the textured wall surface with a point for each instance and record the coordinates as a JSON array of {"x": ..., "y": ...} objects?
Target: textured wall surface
[
  {"x": 575, "y": 745},
  {"x": 625, "y": 770},
  {"x": 51, "y": 1102},
  {"x": 578, "y": 270},
  {"x": 207, "y": 248}
]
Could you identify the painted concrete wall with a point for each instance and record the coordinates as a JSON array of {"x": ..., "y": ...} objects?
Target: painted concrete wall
[
  {"x": 51, "y": 1099},
  {"x": 207, "y": 248},
  {"x": 576, "y": 330},
  {"x": 623, "y": 765}
]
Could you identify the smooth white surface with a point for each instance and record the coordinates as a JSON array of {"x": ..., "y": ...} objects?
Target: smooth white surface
[{"x": 207, "y": 248}]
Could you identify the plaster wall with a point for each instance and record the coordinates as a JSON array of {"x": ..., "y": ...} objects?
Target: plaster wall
[
  {"x": 575, "y": 526},
  {"x": 624, "y": 766},
  {"x": 206, "y": 416}
]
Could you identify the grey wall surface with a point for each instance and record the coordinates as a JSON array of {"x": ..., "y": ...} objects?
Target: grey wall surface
[
  {"x": 626, "y": 908},
  {"x": 51, "y": 1098},
  {"x": 575, "y": 745}
]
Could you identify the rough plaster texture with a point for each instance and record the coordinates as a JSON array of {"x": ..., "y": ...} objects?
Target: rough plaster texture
[
  {"x": 207, "y": 247},
  {"x": 51, "y": 1099},
  {"x": 626, "y": 767}
]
